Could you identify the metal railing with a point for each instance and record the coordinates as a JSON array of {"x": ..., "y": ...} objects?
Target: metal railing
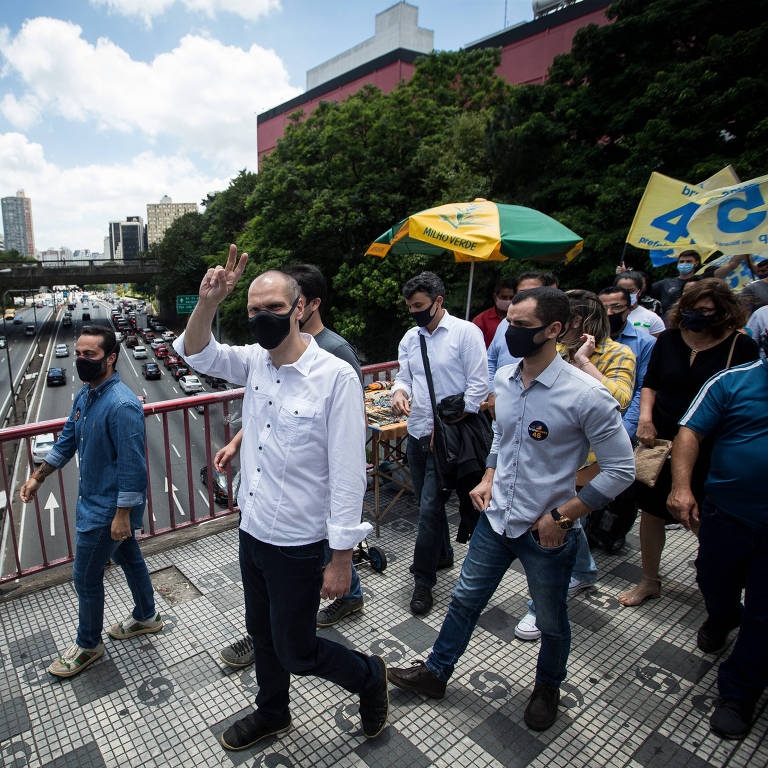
[{"x": 160, "y": 505}]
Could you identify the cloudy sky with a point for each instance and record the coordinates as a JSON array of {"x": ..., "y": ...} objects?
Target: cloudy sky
[{"x": 106, "y": 105}]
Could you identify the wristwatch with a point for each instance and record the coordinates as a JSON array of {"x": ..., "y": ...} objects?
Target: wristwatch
[{"x": 563, "y": 522}]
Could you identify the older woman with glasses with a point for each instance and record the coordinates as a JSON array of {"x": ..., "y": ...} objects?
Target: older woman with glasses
[{"x": 703, "y": 339}]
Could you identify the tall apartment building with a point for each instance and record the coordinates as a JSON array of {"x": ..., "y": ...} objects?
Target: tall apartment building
[
  {"x": 17, "y": 224},
  {"x": 126, "y": 239},
  {"x": 161, "y": 215}
]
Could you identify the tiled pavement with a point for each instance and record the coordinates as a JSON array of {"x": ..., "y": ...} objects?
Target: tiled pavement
[{"x": 638, "y": 691}]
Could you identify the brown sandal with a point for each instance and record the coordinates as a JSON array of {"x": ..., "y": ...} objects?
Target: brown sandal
[{"x": 640, "y": 593}]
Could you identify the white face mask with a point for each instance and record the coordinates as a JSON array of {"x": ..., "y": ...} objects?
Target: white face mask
[{"x": 633, "y": 298}]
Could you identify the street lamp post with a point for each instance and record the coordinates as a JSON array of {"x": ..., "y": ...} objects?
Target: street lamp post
[{"x": 8, "y": 358}]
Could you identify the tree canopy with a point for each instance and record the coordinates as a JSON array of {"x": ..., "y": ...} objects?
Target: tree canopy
[{"x": 669, "y": 85}]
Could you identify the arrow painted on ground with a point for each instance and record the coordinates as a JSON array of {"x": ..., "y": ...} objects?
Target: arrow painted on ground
[
  {"x": 174, "y": 489},
  {"x": 52, "y": 505}
]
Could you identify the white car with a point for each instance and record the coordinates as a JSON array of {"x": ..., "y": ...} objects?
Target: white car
[
  {"x": 190, "y": 384},
  {"x": 168, "y": 335},
  {"x": 139, "y": 352},
  {"x": 118, "y": 336},
  {"x": 155, "y": 343},
  {"x": 61, "y": 350},
  {"x": 41, "y": 444}
]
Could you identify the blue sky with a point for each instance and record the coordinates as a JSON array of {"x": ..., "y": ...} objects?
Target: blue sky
[{"x": 106, "y": 105}]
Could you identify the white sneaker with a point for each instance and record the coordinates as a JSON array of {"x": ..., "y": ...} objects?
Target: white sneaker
[
  {"x": 526, "y": 628},
  {"x": 129, "y": 627},
  {"x": 575, "y": 586}
]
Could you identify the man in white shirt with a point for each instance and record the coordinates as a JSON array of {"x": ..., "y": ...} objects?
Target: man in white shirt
[
  {"x": 643, "y": 319},
  {"x": 458, "y": 362},
  {"x": 548, "y": 413},
  {"x": 303, "y": 480}
]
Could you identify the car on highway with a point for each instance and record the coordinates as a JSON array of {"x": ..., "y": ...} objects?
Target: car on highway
[
  {"x": 56, "y": 377},
  {"x": 168, "y": 335},
  {"x": 3, "y": 342},
  {"x": 131, "y": 340},
  {"x": 70, "y": 306},
  {"x": 41, "y": 445},
  {"x": 61, "y": 350},
  {"x": 66, "y": 321},
  {"x": 215, "y": 383},
  {"x": 220, "y": 494},
  {"x": 159, "y": 328},
  {"x": 86, "y": 317},
  {"x": 180, "y": 370},
  {"x": 17, "y": 320},
  {"x": 119, "y": 336},
  {"x": 161, "y": 352},
  {"x": 199, "y": 408},
  {"x": 29, "y": 330},
  {"x": 172, "y": 360},
  {"x": 139, "y": 352},
  {"x": 190, "y": 383},
  {"x": 155, "y": 342},
  {"x": 151, "y": 371}
]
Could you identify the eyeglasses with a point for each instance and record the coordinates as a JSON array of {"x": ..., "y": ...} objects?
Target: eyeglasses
[{"x": 616, "y": 307}]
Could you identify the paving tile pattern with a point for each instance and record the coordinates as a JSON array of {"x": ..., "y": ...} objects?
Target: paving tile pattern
[{"x": 638, "y": 692}]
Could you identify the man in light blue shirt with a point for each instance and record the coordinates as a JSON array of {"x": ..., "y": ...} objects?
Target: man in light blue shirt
[
  {"x": 548, "y": 414},
  {"x": 106, "y": 428}
]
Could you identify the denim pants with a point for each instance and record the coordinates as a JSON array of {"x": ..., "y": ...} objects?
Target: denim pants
[
  {"x": 92, "y": 551},
  {"x": 433, "y": 539},
  {"x": 732, "y": 557},
  {"x": 488, "y": 558},
  {"x": 282, "y": 594},
  {"x": 355, "y": 590}
]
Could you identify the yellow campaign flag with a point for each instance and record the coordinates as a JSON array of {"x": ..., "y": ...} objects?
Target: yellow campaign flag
[
  {"x": 667, "y": 205},
  {"x": 733, "y": 219}
]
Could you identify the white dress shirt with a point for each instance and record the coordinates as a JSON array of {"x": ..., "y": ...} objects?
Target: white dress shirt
[
  {"x": 302, "y": 462},
  {"x": 542, "y": 435},
  {"x": 458, "y": 362}
]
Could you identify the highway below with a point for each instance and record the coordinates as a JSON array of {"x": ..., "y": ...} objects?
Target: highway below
[{"x": 167, "y": 460}]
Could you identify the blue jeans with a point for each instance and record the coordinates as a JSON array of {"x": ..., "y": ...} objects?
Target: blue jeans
[
  {"x": 584, "y": 568},
  {"x": 92, "y": 551},
  {"x": 355, "y": 590},
  {"x": 488, "y": 558},
  {"x": 732, "y": 557},
  {"x": 282, "y": 594},
  {"x": 433, "y": 539}
]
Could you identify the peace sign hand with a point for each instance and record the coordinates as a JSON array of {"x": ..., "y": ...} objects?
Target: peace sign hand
[{"x": 219, "y": 281}]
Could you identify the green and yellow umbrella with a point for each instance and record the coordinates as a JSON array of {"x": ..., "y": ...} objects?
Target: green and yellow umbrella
[{"x": 480, "y": 231}]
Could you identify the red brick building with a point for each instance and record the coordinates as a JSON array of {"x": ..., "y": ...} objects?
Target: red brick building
[{"x": 527, "y": 51}]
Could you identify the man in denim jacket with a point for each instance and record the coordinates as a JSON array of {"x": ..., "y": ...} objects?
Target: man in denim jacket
[{"x": 106, "y": 427}]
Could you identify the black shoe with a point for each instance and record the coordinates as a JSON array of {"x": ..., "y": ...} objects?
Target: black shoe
[
  {"x": 710, "y": 639},
  {"x": 374, "y": 706},
  {"x": 417, "y": 678},
  {"x": 421, "y": 601},
  {"x": 250, "y": 729},
  {"x": 541, "y": 711},
  {"x": 337, "y": 610},
  {"x": 731, "y": 719},
  {"x": 445, "y": 562},
  {"x": 615, "y": 546}
]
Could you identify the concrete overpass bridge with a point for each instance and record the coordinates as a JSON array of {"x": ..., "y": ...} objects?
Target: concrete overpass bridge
[{"x": 25, "y": 274}]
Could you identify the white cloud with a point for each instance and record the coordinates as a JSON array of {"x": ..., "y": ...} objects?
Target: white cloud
[
  {"x": 203, "y": 93},
  {"x": 101, "y": 192},
  {"x": 146, "y": 10}
]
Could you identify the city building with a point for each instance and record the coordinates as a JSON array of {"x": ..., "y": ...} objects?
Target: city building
[
  {"x": 527, "y": 51},
  {"x": 17, "y": 224},
  {"x": 161, "y": 215},
  {"x": 126, "y": 239}
]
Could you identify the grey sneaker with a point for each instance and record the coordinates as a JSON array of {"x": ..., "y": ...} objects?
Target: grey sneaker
[
  {"x": 337, "y": 610},
  {"x": 239, "y": 654}
]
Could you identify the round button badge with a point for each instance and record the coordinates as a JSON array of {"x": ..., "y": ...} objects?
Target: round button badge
[{"x": 538, "y": 430}]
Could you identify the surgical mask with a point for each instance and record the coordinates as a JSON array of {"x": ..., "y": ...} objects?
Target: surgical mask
[
  {"x": 616, "y": 322},
  {"x": 685, "y": 268},
  {"x": 422, "y": 317},
  {"x": 633, "y": 298},
  {"x": 502, "y": 305},
  {"x": 698, "y": 321},
  {"x": 270, "y": 329},
  {"x": 520, "y": 341},
  {"x": 89, "y": 370}
]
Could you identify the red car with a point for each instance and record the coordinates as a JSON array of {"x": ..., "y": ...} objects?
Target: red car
[
  {"x": 179, "y": 371},
  {"x": 131, "y": 341},
  {"x": 161, "y": 352},
  {"x": 172, "y": 360}
]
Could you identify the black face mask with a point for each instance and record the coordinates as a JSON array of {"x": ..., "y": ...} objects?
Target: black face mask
[
  {"x": 270, "y": 329},
  {"x": 520, "y": 341},
  {"x": 422, "y": 318},
  {"x": 617, "y": 323},
  {"x": 89, "y": 370},
  {"x": 698, "y": 321}
]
